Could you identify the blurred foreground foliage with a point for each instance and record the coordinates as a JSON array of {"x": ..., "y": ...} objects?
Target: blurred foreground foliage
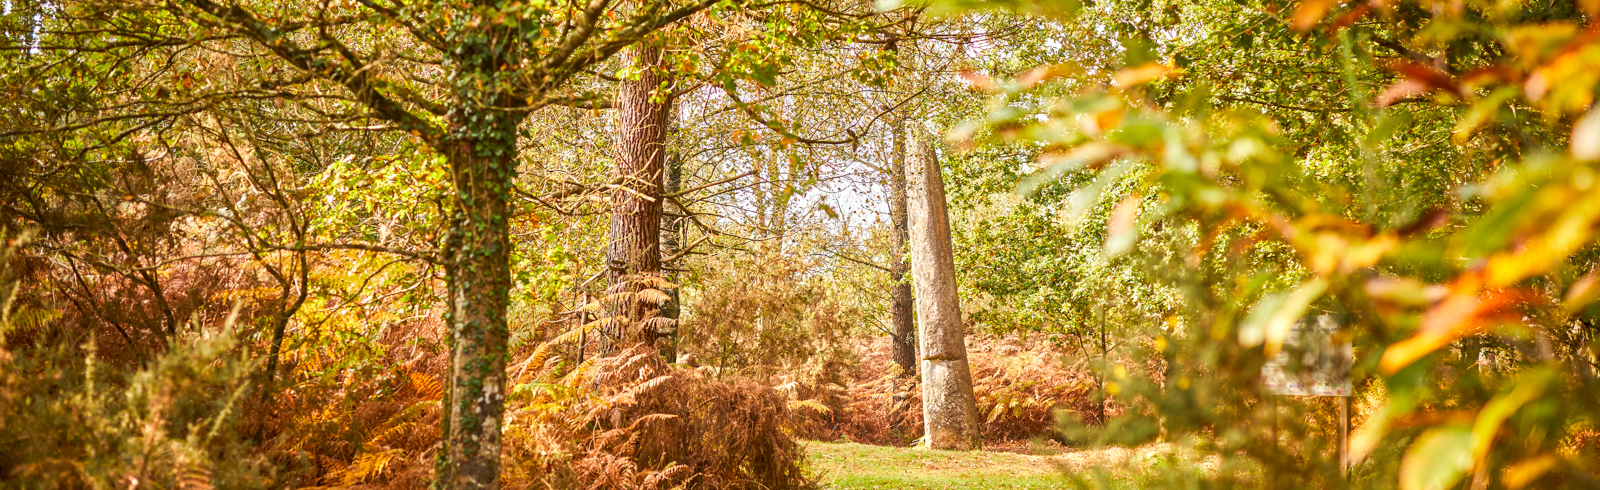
[{"x": 1423, "y": 171}]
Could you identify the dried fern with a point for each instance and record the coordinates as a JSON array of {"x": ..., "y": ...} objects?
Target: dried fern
[
  {"x": 635, "y": 422},
  {"x": 810, "y": 404},
  {"x": 368, "y": 466}
]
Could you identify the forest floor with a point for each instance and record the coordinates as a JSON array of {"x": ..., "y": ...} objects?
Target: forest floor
[{"x": 853, "y": 466}]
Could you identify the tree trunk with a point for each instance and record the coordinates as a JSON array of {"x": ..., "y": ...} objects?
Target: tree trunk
[
  {"x": 1100, "y": 381},
  {"x": 905, "y": 333},
  {"x": 759, "y": 190},
  {"x": 949, "y": 409},
  {"x": 672, "y": 244},
  {"x": 635, "y": 251},
  {"x": 778, "y": 210},
  {"x": 478, "y": 253}
]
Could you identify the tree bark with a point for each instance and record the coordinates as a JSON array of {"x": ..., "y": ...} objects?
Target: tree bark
[
  {"x": 759, "y": 189},
  {"x": 672, "y": 244},
  {"x": 478, "y": 253},
  {"x": 778, "y": 210},
  {"x": 949, "y": 409},
  {"x": 900, "y": 308},
  {"x": 635, "y": 251}
]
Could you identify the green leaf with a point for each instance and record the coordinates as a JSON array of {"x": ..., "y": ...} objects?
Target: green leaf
[
  {"x": 826, "y": 209},
  {"x": 1528, "y": 387},
  {"x": 1084, "y": 199},
  {"x": 1138, "y": 132},
  {"x": 1058, "y": 165},
  {"x": 1439, "y": 458},
  {"x": 1294, "y": 306},
  {"x": 1482, "y": 111},
  {"x": 1253, "y": 330}
]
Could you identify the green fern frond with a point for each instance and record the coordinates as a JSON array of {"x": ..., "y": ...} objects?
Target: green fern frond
[
  {"x": 23, "y": 318},
  {"x": 367, "y": 466},
  {"x": 811, "y": 404}
]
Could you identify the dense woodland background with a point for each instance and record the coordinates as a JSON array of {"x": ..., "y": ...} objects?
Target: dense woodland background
[{"x": 555, "y": 244}]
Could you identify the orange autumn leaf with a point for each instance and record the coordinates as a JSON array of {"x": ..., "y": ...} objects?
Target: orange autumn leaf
[
  {"x": 1419, "y": 79},
  {"x": 1466, "y": 311},
  {"x": 1350, "y": 17},
  {"x": 1044, "y": 73},
  {"x": 1310, "y": 12},
  {"x": 1124, "y": 216},
  {"x": 979, "y": 81},
  {"x": 1141, "y": 74}
]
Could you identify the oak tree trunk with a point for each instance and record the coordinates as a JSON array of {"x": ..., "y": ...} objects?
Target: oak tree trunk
[
  {"x": 949, "y": 409},
  {"x": 478, "y": 253},
  {"x": 905, "y": 333},
  {"x": 635, "y": 251}
]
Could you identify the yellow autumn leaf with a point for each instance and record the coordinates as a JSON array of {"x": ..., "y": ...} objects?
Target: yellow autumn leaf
[{"x": 1141, "y": 74}]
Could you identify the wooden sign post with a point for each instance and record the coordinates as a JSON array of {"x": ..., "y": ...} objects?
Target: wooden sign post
[{"x": 1313, "y": 362}]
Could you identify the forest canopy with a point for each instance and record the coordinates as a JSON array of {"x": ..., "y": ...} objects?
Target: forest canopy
[{"x": 703, "y": 243}]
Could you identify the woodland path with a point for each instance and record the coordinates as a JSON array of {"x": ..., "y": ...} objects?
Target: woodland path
[{"x": 859, "y": 466}]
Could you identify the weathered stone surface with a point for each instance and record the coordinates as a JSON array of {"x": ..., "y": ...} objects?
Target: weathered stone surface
[{"x": 949, "y": 410}]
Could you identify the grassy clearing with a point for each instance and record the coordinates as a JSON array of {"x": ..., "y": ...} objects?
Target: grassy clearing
[{"x": 859, "y": 466}]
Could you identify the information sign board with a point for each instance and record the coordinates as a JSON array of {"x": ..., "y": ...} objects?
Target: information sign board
[{"x": 1310, "y": 362}]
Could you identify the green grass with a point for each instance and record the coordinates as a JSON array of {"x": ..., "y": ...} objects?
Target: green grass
[
  {"x": 841, "y": 466},
  {"x": 859, "y": 466},
  {"x": 847, "y": 465}
]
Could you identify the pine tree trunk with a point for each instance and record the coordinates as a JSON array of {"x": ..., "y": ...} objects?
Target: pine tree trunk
[
  {"x": 949, "y": 409},
  {"x": 635, "y": 251},
  {"x": 478, "y": 253},
  {"x": 904, "y": 338}
]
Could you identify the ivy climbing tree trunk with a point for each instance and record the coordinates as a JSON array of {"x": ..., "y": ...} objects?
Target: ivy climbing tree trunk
[
  {"x": 479, "y": 144},
  {"x": 479, "y": 260},
  {"x": 900, "y": 307},
  {"x": 634, "y": 256},
  {"x": 949, "y": 409}
]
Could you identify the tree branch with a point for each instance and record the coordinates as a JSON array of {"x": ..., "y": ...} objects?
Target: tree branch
[
  {"x": 356, "y": 79},
  {"x": 845, "y": 256}
]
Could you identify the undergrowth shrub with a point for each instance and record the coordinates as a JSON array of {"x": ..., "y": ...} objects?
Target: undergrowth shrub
[
  {"x": 69, "y": 420},
  {"x": 632, "y": 421},
  {"x": 82, "y": 408},
  {"x": 375, "y": 425},
  {"x": 761, "y": 316},
  {"x": 1020, "y": 392}
]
